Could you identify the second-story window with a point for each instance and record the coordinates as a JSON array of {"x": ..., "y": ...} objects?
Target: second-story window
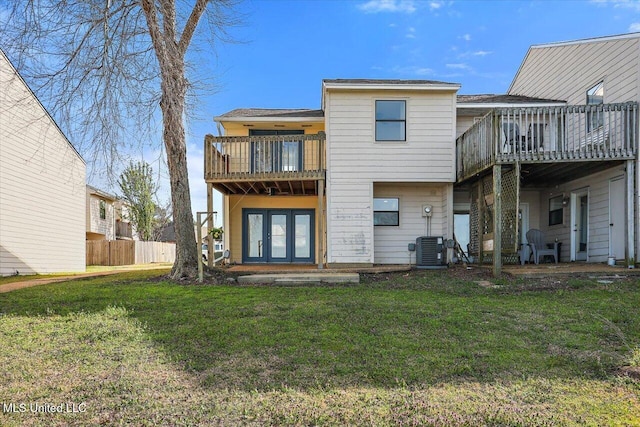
[
  {"x": 103, "y": 209},
  {"x": 391, "y": 120},
  {"x": 595, "y": 116}
]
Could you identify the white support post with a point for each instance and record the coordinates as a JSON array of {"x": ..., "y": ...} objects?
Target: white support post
[
  {"x": 632, "y": 215},
  {"x": 320, "y": 254},
  {"x": 211, "y": 254}
]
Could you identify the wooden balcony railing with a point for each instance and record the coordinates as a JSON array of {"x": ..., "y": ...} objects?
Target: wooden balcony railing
[
  {"x": 548, "y": 134},
  {"x": 282, "y": 157},
  {"x": 123, "y": 230}
]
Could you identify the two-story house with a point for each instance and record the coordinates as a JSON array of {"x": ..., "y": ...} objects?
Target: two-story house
[
  {"x": 349, "y": 184},
  {"x": 42, "y": 185},
  {"x": 346, "y": 185}
]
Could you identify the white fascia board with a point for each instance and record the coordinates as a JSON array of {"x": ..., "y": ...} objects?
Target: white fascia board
[
  {"x": 589, "y": 40},
  {"x": 507, "y": 105},
  {"x": 251, "y": 119},
  {"x": 391, "y": 86}
]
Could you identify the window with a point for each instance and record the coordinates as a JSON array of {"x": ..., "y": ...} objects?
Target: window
[
  {"x": 555, "y": 210},
  {"x": 276, "y": 156},
  {"x": 386, "y": 211},
  {"x": 390, "y": 121},
  {"x": 595, "y": 116},
  {"x": 103, "y": 209}
]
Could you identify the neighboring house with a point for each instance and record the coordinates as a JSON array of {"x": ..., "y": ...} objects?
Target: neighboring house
[
  {"x": 342, "y": 186},
  {"x": 567, "y": 167},
  {"x": 124, "y": 228},
  {"x": 42, "y": 186},
  {"x": 101, "y": 215},
  {"x": 348, "y": 184}
]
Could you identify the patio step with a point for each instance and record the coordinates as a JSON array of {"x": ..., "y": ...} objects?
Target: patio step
[{"x": 291, "y": 278}]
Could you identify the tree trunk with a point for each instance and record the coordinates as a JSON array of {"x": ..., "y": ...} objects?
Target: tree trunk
[{"x": 172, "y": 104}]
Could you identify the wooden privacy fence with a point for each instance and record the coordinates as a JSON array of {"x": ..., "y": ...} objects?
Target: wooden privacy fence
[{"x": 126, "y": 252}]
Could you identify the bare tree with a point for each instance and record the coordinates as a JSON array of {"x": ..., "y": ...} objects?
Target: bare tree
[{"x": 104, "y": 66}]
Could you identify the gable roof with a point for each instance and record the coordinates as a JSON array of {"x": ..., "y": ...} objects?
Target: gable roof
[
  {"x": 24, "y": 83},
  {"x": 95, "y": 191},
  {"x": 269, "y": 114},
  {"x": 588, "y": 40}
]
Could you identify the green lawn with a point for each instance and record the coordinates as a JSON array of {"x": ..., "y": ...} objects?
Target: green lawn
[{"x": 424, "y": 348}]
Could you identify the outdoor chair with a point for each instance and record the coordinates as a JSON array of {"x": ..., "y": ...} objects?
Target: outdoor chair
[
  {"x": 535, "y": 137},
  {"x": 513, "y": 141},
  {"x": 539, "y": 248}
]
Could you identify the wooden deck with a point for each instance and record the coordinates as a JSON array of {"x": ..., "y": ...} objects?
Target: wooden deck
[
  {"x": 549, "y": 135},
  {"x": 269, "y": 165}
]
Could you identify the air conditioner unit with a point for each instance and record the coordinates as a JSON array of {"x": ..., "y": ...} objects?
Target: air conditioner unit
[{"x": 430, "y": 252}]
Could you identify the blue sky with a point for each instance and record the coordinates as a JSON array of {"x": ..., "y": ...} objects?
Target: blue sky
[{"x": 285, "y": 48}]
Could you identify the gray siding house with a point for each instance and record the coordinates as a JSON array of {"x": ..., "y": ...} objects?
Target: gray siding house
[{"x": 557, "y": 153}]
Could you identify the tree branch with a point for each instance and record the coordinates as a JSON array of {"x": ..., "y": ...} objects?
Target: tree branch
[
  {"x": 190, "y": 26},
  {"x": 151, "y": 13}
]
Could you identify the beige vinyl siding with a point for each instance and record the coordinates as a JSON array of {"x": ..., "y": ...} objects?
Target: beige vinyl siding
[
  {"x": 391, "y": 242},
  {"x": 426, "y": 156},
  {"x": 350, "y": 222},
  {"x": 565, "y": 72},
  {"x": 355, "y": 161},
  {"x": 42, "y": 187},
  {"x": 103, "y": 229},
  {"x": 598, "y": 188},
  {"x": 463, "y": 123}
]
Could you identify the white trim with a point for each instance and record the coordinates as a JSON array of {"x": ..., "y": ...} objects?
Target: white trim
[
  {"x": 575, "y": 199},
  {"x": 589, "y": 40},
  {"x": 619, "y": 178},
  {"x": 392, "y": 86}
]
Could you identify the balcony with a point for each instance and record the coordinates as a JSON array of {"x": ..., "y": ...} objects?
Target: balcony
[
  {"x": 270, "y": 165},
  {"x": 124, "y": 230},
  {"x": 579, "y": 139}
]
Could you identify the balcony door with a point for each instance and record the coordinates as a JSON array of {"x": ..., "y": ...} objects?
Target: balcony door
[
  {"x": 278, "y": 236},
  {"x": 276, "y": 156}
]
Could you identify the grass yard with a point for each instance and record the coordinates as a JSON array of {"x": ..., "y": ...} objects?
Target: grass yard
[{"x": 419, "y": 348}]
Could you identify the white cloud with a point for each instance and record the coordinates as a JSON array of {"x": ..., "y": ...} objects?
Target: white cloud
[
  {"x": 635, "y": 27},
  {"x": 466, "y": 37},
  {"x": 435, "y": 5},
  {"x": 376, "y": 6},
  {"x": 413, "y": 71},
  {"x": 481, "y": 53},
  {"x": 626, "y": 4},
  {"x": 411, "y": 33},
  {"x": 458, "y": 66}
]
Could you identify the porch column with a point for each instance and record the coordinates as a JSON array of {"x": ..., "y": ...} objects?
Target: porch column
[
  {"x": 320, "y": 224},
  {"x": 211, "y": 254},
  {"x": 632, "y": 216},
  {"x": 497, "y": 220}
]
